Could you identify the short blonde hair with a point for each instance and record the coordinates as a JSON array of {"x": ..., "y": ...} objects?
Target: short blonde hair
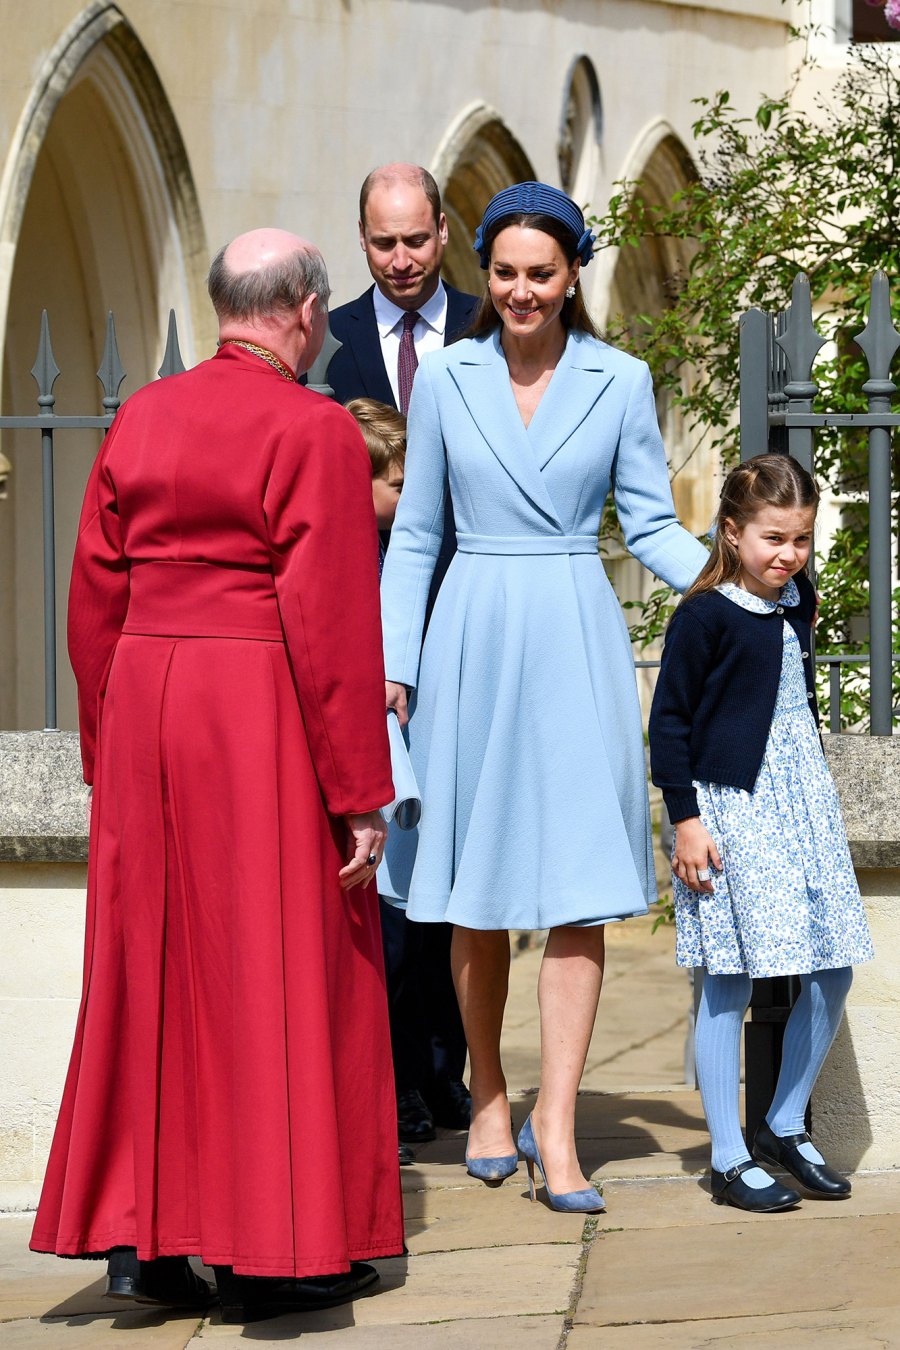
[{"x": 384, "y": 432}]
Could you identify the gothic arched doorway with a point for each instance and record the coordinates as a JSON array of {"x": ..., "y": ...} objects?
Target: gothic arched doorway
[
  {"x": 99, "y": 213},
  {"x": 478, "y": 157}
]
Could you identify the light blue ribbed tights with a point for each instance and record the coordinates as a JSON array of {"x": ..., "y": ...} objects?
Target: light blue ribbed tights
[{"x": 808, "y": 1036}]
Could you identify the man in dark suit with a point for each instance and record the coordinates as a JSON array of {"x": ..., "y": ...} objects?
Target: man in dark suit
[
  {"x": 383, "y": 333},
  {"x": 402, "y": 231}
]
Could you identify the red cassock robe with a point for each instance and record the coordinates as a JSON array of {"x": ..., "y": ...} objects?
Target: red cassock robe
[{"x": 230, "y": 1092}]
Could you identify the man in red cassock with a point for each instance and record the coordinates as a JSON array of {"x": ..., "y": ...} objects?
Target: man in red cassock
[{"x": 230, "y": 1093}]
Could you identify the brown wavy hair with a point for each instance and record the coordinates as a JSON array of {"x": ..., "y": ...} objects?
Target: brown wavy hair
[
  {"x": 574, "y": 315},
  {"x": 765, "y": 480},
  {"x": 383, "y": 430}
]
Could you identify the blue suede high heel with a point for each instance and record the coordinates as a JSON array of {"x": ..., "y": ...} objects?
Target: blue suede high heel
[
  {"x": 587, "y": 1201},
  {"x": 491, "y": 1170}
]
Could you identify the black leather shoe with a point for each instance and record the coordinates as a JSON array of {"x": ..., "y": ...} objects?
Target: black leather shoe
[
  {"x": 784, "y": 1151},
  {"x": 250, "y": 1298},
  {"x": 415, "y": 1124},
  {"x": 168, "y": 1280},
  {"x": 729, "y": 1189},
  {"x": 405, "y": 1155},
  {"x": 451, "y": 1105}
]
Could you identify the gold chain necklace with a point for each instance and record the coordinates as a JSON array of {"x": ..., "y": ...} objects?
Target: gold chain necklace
[{"x": 274, "y": 361}]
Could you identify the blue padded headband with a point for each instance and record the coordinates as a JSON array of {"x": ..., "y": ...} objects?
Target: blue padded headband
[{"x": 535, "y": 199}]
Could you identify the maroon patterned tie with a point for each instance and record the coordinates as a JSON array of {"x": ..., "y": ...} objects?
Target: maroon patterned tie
[{"x": 407, "y": 362}]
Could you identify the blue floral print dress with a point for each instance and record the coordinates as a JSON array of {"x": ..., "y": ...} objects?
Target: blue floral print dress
[{"x": 786, "y": 901}]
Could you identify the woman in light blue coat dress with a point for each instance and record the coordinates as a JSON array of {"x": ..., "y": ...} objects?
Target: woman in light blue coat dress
[{"x": 525, "y": 728}]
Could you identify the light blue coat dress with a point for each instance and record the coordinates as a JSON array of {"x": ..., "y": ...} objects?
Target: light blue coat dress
[{"x": 525, "y": 733}]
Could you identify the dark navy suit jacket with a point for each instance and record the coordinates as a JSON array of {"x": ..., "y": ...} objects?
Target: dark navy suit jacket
[{"x": 357, "y": 370}]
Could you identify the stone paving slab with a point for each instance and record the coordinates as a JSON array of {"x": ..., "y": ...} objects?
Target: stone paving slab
[
  {"x": 498, "y": 1333},
  {"x": 457, "y": 1220},
  {"x": 32, "y": 1284},
  {"x": 490, "y": 1283},
  {"x": 682, "y": 1203},
  {"x": 740, "y": 1269},
  {"x": 128, "y": 1331},
  {"x": 874, "y": 1329},
  {"x": 644, "y": 1134}
]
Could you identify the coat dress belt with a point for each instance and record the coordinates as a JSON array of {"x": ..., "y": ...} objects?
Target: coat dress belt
[
  {"x": 200, "y": 599},
  {"x": 512, "y": 544}
]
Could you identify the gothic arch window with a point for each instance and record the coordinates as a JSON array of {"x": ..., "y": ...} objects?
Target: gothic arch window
[
  {"x": 642, "y": 283},
  {"x": 97, "y": 211},
  {"x": 478, "y": 157},
  {"x": 580, "y": 131}
]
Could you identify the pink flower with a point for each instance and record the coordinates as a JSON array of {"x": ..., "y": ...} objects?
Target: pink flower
[{"x": 892, "y": 13}]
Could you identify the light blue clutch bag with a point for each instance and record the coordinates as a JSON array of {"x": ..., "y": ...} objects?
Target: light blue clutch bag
[{"x": 406, "y": 808}]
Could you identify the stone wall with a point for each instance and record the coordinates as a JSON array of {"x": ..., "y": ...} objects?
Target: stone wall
[
  {"x": 43, "y": 845},
  {"x": 856, "y": 1104}
]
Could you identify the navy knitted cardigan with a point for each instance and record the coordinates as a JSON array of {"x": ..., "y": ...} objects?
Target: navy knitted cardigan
[{"x": 716, "y": 693}]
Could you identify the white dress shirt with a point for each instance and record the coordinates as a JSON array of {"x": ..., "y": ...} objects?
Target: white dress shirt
[{"x": 428, "y": 334}]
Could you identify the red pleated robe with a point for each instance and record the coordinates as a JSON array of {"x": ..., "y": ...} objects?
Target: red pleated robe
[{"x": 230, "y": 1091}]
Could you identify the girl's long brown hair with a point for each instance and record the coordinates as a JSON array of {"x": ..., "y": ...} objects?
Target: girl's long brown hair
[{"x": 765, "y": 480}]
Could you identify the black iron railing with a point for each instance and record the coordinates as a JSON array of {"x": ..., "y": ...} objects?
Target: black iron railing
[{"x": 46, "y": 372}]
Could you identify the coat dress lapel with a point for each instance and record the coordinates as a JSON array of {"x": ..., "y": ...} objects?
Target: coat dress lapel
[
  {"x": 577, "y": 384},
  {"x": 482, "y": 378},
  {"x": 579, "y": 380}
]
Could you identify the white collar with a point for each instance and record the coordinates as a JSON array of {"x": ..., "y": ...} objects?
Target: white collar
[
  {"x": 389, "y": 316},
  {"x": 757, "y": 604}
]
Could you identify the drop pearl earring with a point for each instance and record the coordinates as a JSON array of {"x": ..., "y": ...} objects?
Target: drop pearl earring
[{"x": 570, "y": 292}]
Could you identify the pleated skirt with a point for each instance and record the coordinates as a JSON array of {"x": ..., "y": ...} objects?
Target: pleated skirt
[{"x": 230, "y": 1091}]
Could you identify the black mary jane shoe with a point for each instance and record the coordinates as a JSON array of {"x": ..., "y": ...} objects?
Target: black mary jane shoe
[
  {"x": 405, "y": 1155},
  {"x": 415, "y": 1123},
  {"x": 729, "y": 1189},
  {"x": 169, "y": 1280},
  {"x": 819, "y": 1179},
  {"x": 250, "y": 1298}
]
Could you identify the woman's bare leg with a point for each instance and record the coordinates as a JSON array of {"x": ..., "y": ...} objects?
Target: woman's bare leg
[
  {"x": 568, "y": 991},
  {"x": 480, "y": 962}
]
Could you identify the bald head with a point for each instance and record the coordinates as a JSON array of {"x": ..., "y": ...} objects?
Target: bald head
[
  {"x": 264, "y": 274},
  {"x": 259, "y": 249},
  {"x": 407, "y": 175}
]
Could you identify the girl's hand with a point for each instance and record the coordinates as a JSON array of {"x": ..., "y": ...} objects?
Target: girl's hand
[
  {"x": 695, "y": 850},
  {"x": 395, "y": 697},
  {"x": 368, "y": 833}
]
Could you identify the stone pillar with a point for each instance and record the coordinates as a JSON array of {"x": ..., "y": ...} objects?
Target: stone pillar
[{"x": 856, "y": 1104}]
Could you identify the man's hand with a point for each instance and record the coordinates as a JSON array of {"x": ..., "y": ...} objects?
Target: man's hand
[
  {"x": 694, "y": 851},
  {"x": 395, "y": 697},
  {"x": 368, "y": 833}
]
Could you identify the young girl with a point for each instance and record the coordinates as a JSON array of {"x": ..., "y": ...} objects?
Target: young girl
[{"x": 762, "y": 875}]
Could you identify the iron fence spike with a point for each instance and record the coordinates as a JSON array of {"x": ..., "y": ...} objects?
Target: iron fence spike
[
  {"x": 800, "y": 341},
  {"x": 879, "y": 339},
  {"x": 45, "y": 370},
  {"x": 111, "y": 372},
  {"x": 172, "y": 364}
]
